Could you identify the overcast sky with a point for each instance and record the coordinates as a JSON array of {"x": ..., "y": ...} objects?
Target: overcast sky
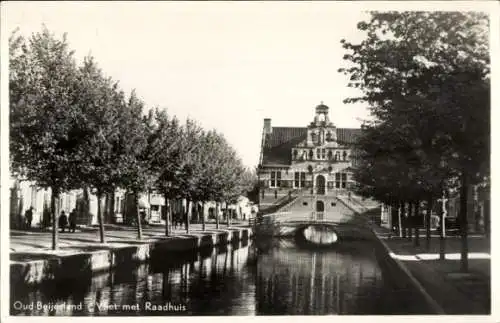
[{"x": 228, "y": 65}]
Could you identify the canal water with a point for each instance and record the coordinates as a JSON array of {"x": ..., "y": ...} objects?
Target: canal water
[{"x": 268, "y": 277}]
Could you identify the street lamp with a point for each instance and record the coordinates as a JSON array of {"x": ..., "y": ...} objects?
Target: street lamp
[{"x": 443, "y": 201}]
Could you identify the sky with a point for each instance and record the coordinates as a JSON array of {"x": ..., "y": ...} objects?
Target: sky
[{"x": 228, "y": 65}]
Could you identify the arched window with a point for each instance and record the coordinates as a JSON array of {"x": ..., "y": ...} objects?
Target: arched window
[
  {"x": 311, "y": 154},
  {"x": 337, "y": 155},
  {"x": 344, "y": 155},
  {"x": 318, "y": 153},
  {"x": 330, "y": 154}
]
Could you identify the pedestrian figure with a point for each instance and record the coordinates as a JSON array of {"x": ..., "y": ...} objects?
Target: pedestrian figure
[
  {"x": 72, "y": 221},
  {"x": 63, "y": 221},
  {"x": 143, "y": 217},
  {"x": 29, "y": 217},
  {"x": 176, "y": 219}
]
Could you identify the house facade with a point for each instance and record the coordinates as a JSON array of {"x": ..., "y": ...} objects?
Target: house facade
[
  {"x": 316, "y": 159},
  {"x": 118, "y": 207}
]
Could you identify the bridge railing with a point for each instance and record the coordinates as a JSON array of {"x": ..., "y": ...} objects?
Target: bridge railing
[
  {"x": 317, "y": 216},
  {"x": 268, "y": 218}
]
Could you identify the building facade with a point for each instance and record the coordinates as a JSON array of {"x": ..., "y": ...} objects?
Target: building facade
[
  {"x": 118, "y": 207},
  {"x": 317, "y": 159}
]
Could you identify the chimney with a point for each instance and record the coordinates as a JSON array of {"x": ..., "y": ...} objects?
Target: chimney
[{"x": 267, "y": 126}]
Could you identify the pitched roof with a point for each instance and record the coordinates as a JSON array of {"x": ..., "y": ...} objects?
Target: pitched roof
[
  {"x": 348, "y": 135},
  {"x": 279, "y": 143}
]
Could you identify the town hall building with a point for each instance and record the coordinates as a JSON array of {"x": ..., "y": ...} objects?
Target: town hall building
[{"x": 315, "y": 160}]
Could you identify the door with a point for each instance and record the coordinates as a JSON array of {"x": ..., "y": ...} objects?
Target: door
[
  {"x": 320, "y": 185},
  {"x": 320, "y": 208}
]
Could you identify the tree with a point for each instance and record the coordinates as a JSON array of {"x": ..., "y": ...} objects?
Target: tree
[
  {"x": 44, "y": 138},
  {"x": 428, "y": 72},
  {"x": 137, "y": 144},
  {"x": 165, "y": 157},
  {"x": 101, "y": 110}
]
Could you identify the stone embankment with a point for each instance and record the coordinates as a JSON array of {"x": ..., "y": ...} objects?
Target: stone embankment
[{"x": 32, "y": 266}]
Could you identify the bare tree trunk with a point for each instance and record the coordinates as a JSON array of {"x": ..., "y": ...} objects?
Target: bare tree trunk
[
  {"x": 416, "y": 220},
  {"x": 105, "y": 210},
  {"x": 442, "y": 229},
  {"x": 464, "y": 248},
  {"x": 166, "y": 213},
  {"x": 217, "y": 215},
  {"x": 203, "y": 216},
  {"x": 138, "y": 216},
  {"x": 410, "y": 221},
  {"x": 112, "y": 207},
  {"x": 428, "y": 223},
  {"x": 188, "y": 214},
  {"x": 227, "y": 215},
  {"x": 100, "y": 215},
  {"x": 400, "y": 222},
  {"x": 54, "y": 208}
]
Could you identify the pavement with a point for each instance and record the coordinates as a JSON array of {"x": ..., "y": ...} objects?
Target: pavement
[
  {"x": 452, "y": 291},
  {"x": 36, "y": 243}
]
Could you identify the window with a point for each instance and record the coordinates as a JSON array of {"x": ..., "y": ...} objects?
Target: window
[
  {"x": 344, "y": 155},
  {"x": 276, "y": 179},
  {"x": 295, "y": 154},
  {"x": 337, "y": 155},
  {"x": 344, "y": 180},
  {"x": 323, "y": 153},
  {"x": 311, "y": 154},
  {"x": 330, "y": 155},
  {"x": 300, "y": 179},
  {"x": 337, "y": 180},
  {"x": 304, "y": 203},
  {"x": 318, "y": 153}
]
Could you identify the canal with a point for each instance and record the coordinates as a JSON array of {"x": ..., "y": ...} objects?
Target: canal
[{"x": 268, "y": 277}]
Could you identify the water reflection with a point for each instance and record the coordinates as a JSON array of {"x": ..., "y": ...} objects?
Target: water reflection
[{"x": 265, "y": 278}]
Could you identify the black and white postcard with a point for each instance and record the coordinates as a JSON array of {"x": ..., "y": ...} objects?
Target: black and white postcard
[{"x": 248, "y": 159}]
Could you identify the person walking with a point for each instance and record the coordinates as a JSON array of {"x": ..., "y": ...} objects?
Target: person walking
[
  {"x": 63, "y": 221},
  {"x": 29, "y": 217},
  {"x": 72, "y": 221}
]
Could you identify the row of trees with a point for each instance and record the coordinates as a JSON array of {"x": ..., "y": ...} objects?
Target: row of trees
[
  {"x": 72, "y": 127},
  {"x": 425, "y": 77}
]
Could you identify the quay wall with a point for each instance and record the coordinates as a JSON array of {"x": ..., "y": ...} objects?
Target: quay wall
[{"x": 36, "y": 269}]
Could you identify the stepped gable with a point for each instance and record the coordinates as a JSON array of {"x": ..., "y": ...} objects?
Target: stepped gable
[{"x": 279, "y": 143}]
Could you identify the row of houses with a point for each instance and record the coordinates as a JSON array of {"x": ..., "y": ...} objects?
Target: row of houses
[{"x": 118, "y": 207}]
